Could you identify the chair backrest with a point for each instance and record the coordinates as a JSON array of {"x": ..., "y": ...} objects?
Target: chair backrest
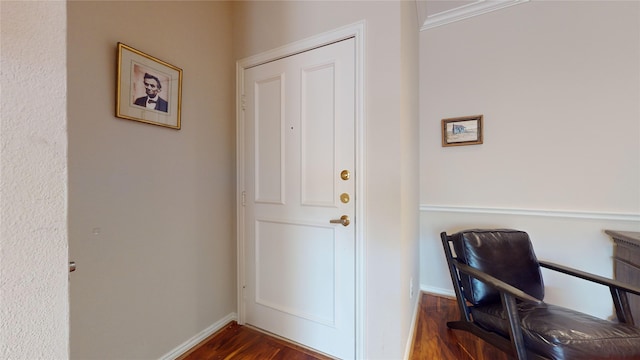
[{"x": 504, "y": 254}]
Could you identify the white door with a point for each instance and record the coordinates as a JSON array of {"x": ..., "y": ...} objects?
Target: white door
[{"x": 299, "y": 145}]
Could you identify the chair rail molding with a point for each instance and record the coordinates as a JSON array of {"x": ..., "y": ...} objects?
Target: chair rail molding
[
  {"x": 609, "y": 216},
  {"x": 471, "y": 9}
]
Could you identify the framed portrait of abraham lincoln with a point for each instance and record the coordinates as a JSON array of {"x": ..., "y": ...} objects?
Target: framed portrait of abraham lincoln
[{"x": 149, "y": 90}]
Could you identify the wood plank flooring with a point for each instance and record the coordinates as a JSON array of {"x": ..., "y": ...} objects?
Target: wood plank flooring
[
  {"x": 246, "y": 343},
  {"x": 432, "y": 340}
]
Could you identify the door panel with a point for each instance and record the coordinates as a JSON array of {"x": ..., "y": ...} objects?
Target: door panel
[
  {"x": 269, "y": 122},
  {"x": 299, "y": 136},
  {"x": 318, "y": 145},
  {"x": 296, "y": 256}
]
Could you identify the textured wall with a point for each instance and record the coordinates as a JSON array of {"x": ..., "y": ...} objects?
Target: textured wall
[{"x": 33, "y": 194}]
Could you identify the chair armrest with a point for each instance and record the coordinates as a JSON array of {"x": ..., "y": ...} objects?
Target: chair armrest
[
  {"x": 591, "y": 277},
  {"x": 496, "y": 283}
]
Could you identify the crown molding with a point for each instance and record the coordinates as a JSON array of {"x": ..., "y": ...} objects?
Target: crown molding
[{"x": 464, "y": 12}]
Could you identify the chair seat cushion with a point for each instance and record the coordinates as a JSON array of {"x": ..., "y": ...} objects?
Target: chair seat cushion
[{"x": 560, "y": 333}]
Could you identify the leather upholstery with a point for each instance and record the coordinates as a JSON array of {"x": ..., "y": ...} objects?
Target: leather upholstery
[
  {"x": 504, "y": 254},
  {"x": 560, "y": 333},
  {"x": 551, "y": 331}
]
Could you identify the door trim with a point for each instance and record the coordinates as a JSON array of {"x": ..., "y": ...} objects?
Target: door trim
[{"x": 356, "y": 31}]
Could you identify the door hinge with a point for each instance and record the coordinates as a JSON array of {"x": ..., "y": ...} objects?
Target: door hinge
[
  {"x": 243, "y": 102},
  {"x": 244, "y": 198}
]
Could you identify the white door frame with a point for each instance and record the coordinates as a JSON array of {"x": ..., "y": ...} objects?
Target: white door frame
[{"x": 356, "y": 31}]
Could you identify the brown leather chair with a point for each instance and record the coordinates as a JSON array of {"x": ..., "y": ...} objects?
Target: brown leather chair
[{"x": 499, "y": 288}]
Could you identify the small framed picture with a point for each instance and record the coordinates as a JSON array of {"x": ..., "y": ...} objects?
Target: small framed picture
[
  {"x": 459, "y": 131},
  {"x": 149, "y": 89}
]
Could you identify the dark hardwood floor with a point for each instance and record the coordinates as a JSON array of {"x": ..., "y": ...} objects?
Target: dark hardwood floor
[
  {"x": 432, "y": 340},
  {"x": 244, "y": 342}
]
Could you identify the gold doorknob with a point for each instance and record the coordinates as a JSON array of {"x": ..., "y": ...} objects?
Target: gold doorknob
[{"x": 344, "y": 220}]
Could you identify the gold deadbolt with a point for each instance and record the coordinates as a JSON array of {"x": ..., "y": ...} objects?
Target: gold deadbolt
[
  {"x": 344, "y": 197},
  {"x": 345, "y": 175}
]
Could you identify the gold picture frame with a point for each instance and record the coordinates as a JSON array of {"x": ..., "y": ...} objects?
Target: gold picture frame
[
  {"x": 149, "y": 90},
  {"x": 466, "y": 130}
]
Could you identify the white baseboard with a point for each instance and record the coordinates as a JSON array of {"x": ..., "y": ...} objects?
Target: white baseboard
[
  {"x": 412, "y": 329},
  {"x": 437, "y": 291},
  {"x": 189, "y": 344}
]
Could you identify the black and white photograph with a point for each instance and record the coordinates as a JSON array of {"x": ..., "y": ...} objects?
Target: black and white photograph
[{"x": 149, "y": 89}]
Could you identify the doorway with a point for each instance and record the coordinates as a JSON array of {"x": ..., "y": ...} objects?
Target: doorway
[{"x": 299, "y": 238}]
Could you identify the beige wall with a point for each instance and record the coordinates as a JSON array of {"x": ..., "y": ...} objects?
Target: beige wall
[
  {"x": 558, "y": 83},
  {"x": 34, "y": 309},
  {"x": 390, "y": 220},
  {"x": 151, "y": 209},
  {"x": 409, "y": 160}
]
